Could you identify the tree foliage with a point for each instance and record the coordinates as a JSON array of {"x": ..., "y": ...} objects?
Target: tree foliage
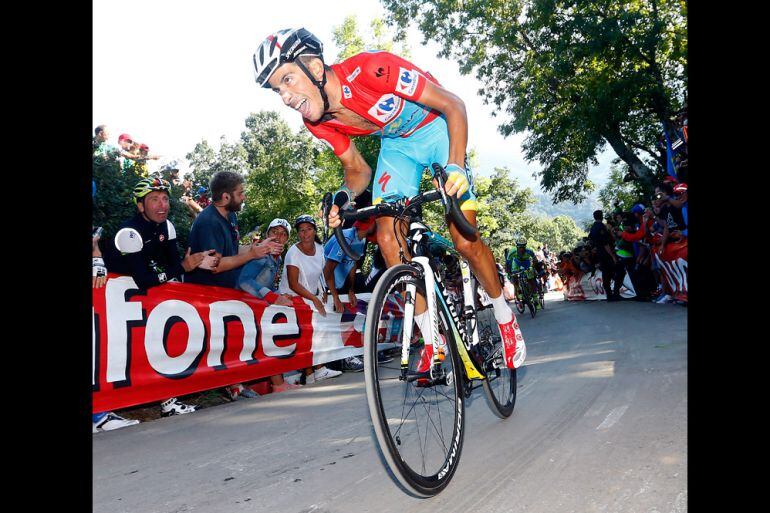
[
  {"x": 114, "y": 202},
  {"x": 575, "y": 75},
  {"x": 623, "y": 195}
]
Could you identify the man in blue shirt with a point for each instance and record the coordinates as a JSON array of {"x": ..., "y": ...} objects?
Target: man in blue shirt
[
  {"x": 340, "y": 269},
  {"x": 217, "y": 227}
]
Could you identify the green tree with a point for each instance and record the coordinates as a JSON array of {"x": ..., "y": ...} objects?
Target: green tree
[
  {"x": 575, "y": 76},
  {"x": 502, "y": 209},
  {"x": 622, "y": 194},
  {"x": 205, "y": 161},
  {"x": 280, "y": 164},
  {"x": 114, "y": 201},
  {"x": 348, "y": 38}
]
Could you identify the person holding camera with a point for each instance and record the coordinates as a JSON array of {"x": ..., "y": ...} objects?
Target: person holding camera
[{"x": 602, "y": 241}]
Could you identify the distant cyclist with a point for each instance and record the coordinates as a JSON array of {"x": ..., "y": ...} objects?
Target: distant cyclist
[
  {"x": 524, "y": 259},
  {"x": 420, "y": 122}
]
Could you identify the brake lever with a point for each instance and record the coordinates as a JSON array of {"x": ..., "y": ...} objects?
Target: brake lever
[{"x": 326, "y": 207}]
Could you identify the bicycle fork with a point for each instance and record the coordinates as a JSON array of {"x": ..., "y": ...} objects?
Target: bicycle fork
[{"x": 432, "y": 337}]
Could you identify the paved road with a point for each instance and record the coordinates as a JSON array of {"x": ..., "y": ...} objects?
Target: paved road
[{"x": 600, "y": 426}]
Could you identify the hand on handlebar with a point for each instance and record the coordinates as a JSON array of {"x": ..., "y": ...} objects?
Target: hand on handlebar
[
  {"x": 334, "y": 217},
  {"x": 457, "y": 181}
]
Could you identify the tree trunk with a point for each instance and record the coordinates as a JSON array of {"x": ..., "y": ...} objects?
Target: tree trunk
[{"x": 613, "y": 137}]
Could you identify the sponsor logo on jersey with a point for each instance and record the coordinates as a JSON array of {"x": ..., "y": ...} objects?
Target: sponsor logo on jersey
[
  {"x": 355, "y": 73},
  {"x": 386, "y": 108},
  {"x": 407, "y": 81},
  {"x": 383, "y": 72},
  {"x": 346, "y": 92}
]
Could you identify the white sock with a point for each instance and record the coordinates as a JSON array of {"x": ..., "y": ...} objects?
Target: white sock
[{"x": 503, "y": 313}]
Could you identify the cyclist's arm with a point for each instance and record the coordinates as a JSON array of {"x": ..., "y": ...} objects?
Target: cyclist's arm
[
  {"x": 358, "y": 174},
  {"x": 453, "y": 108}
]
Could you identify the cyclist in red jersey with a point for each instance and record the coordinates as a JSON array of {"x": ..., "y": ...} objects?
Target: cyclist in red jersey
[{"x": 419, "y": 122}]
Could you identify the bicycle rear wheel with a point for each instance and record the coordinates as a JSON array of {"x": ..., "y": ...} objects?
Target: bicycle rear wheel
[
  {"x": 419, "y": 423},
  {"x": 500, "y": 385}
]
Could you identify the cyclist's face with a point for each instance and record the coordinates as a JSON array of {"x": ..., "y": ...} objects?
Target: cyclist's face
[
  {"x": 155, "y": 206},
  {"x": 297, "y": 91}
]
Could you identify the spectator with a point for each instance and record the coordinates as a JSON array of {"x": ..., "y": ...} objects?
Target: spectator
[
  {"x": 169, "y": 171},
  {"x": 303, "y": 276},
  {"x": 99, "y": 271},
  {"x": 625, "y": 235},
  {"x": 103, "y": 150},
  {"x": 187, "y": 199},
  {"x": 669, "y": 216},
  {"x": 341, "y": 277},
  {"x": 601, "y": 240},
  {"x": 141, "y": 162},
  {"x": 131, "y": 152},
  {"x": 258, "y": 277},
  {"x": 145, "y": 247},
  {"x": 217, "y": 227},
  {"x": 340, "y": 270}
]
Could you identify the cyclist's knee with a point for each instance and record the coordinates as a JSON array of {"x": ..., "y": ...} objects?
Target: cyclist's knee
[
  {"x": 470, "y": 250},
  {"x": 389, "y": 247}
]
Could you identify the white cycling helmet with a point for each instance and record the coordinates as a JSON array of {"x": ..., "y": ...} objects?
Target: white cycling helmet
[{"x": 285, "y": 46}]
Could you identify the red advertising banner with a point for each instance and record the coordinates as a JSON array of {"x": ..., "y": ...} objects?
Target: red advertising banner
[
  {"x": 673, "y": 264},
  {"x": 585, "y": 287},
  {"x": 182, "y": 338}
]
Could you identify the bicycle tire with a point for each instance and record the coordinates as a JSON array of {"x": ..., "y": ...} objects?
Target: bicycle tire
[
  {"x": 500, "y": 383},
  {"x": 527, "y": 295},
  {"x": 403, "y": 434}
]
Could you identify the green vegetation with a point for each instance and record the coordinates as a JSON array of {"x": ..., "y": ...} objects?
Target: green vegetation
[{"x": 575, "y": 76}]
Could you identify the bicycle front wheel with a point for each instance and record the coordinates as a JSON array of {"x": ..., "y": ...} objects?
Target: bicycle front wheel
[{"x": 418, "y": 420}]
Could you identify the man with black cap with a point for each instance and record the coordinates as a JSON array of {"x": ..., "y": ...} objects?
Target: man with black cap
[{"x": 602, "y": 240}]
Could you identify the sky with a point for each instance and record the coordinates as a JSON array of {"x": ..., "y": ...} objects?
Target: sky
[{"x": 171, "y": 73}]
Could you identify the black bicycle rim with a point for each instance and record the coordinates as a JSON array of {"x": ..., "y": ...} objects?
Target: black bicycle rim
[{"x": 419, "y": 429}]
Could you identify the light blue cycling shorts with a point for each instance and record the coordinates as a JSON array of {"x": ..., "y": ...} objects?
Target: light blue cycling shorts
[{"x": 403, "y": 159}]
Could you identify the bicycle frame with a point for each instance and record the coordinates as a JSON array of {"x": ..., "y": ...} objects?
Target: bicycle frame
[{"x": 463, "y": 324}]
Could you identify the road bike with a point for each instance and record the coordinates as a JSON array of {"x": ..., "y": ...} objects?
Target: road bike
[
  {"x": 417, "y": 402},
  {"x": 523, "y": 292}
]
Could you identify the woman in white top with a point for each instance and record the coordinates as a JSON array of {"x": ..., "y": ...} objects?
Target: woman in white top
[
  {"x": 303, "y": 266},
  {"x": 303, "y": 276}
]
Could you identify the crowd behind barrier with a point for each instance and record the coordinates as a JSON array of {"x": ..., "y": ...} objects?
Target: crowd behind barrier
[
  {"x": 214, "y": 295},
  {"x": 644, "y": 249}
]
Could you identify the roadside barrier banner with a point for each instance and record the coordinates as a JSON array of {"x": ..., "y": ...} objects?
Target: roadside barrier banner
[
  {"x": 181, "y": 338},
  {"x": 585, "y": 287},
  {"x": 673, "y": 264}
]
